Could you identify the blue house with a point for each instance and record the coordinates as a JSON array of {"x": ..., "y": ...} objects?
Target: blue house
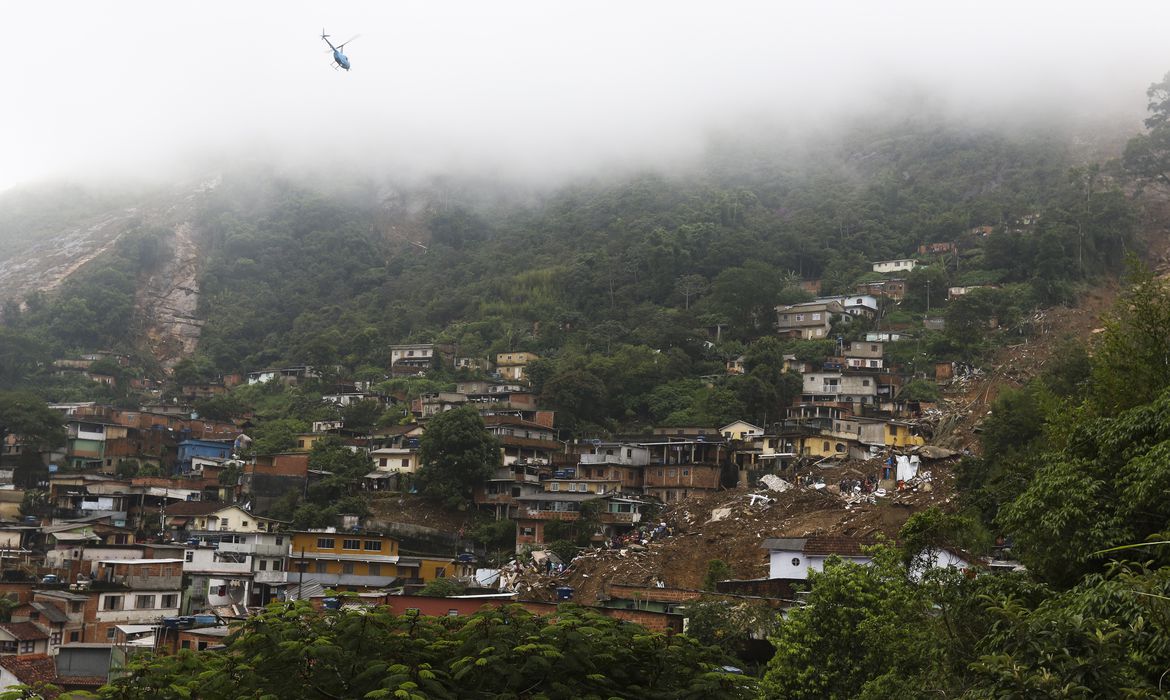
[{"x": 213, "y": 449}]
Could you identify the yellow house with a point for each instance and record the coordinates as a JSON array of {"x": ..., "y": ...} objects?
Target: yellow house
[
  {"x": 396, "y": 459},
  {"x": 425, "y": 568},
  {"x": 888, "y": 433},
  {"x": 305, "y": 441},
  {"x": 233, "y": 519},
  {"x": 510, "y": 365},
  {"x": 740, "y": 430},
  {"x": 352, "y": 561}
]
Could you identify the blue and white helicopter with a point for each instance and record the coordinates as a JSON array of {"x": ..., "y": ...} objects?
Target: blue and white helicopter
[{"x": 339, "y": 56}]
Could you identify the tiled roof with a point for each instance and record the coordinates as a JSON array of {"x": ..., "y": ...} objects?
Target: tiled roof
[
  {"x": 841, "y": 546},
  {"x": 194, "y": 508},
  {"x": 31, "y": 668},
  {"x": 51, "y": 612},
  {"x": 23, "y": 631},
  {"x": 819, "y": 546}
]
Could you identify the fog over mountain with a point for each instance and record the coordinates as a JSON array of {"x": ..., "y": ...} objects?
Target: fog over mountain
[{"x": 530, "y": 90}]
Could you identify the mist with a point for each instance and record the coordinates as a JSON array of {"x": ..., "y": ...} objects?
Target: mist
[{"x": 533, "y": 92}]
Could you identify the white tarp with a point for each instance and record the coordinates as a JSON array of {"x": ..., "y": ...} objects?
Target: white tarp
[
  {"x": 907, "y": 467},
  {"x": 775, "y": 483}
]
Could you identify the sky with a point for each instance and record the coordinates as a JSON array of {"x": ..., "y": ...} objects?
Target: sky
[{"x": 104, "y": 89}]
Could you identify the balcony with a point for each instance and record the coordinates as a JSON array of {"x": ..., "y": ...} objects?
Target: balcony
[
  {"x": 154, "y": 583},
  {"x": 552, "y": 514},
  {"x": 271, "y": 577},
  {"x": 259, "y": 550}
]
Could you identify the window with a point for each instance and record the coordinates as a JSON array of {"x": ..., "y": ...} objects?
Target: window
[
  {"x": 170, "y": 601},
  {"x": 223, "y": 522},
  {"x": 279, "y": 540},
  {"x": 110, "y": 632},
  {"x": 799, "y": 317},
  {"x": 347, "y": 567},
  {"x": 112, "y": 602},
  {"x": 825, "y": 447},
  {"x": 864, "y": 382},
  {"x": 556, "y": 486},
  {"x": 144, "y": 602},
  {"x": 375, "y": 569},
  {"x": 322, "y": 567},
  {"x": 351, "y": 544},
  {"x": 75, "y": 636},
  {"x": 796, "y": 561},
  {"x": 301, "y": 444},
  {"x": 75, "y": 607},
  {"x": 527, "y": 532},
  {"x": 55, "y": 639},
  {"x": 326, "y": 543},
  {"x": 263, "y": 565},
  {"x": 686, "y": 472},
  {"x": 572, "y": 486},
  {"x": 405, "y": 462},
  {"x": 186, "y": 644},
  {"x": 816, "y": 317},
  {"x": 244, "y": 523},
  {"x": 452, "y": 612},
  {"x": 382, "y": 462},
  {"x": 440, "y": 572},
  {"x": 372, "y": 546},
  {"x": 189, "y": 555},
  {"x": 873, "y": 348}
]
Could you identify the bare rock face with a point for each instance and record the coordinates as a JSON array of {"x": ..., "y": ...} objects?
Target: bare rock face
[{"x": 167, "y": 298}]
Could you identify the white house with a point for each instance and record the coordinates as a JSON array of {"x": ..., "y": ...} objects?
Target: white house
[
  {"x": 903, "y": 265},
  {"x": 740, "y": 430},
  {"x": 793, "y": 558}
]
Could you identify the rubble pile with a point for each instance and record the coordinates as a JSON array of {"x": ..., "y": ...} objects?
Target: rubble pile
[{"x": 730, "y": 525}]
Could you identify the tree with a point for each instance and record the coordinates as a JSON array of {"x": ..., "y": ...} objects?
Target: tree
[
  {"x": 442, "y": 588},
  {"x": 690, "y": 286},
  {"x": 1148, "y": 155},
  {"x": 26, "y": 415},
  {"x": 293, "y": 651},
  {"x": 456, "y": 454},
  {"x": 863, "y": 631},
  {"x": 717, "y": 570},
  {"x": 1132, "y": 363}
]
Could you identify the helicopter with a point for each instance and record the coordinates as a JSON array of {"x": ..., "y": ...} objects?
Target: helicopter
[{"x": 339, "y": 57}]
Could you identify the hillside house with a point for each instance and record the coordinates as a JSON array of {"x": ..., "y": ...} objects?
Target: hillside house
[
  {"x": 839, "y": 387},
  {"x": 740, "y": 430},
  {"x": 900, "y": 265},
  {"x": 402, "y": 460},
  {"x": 892, "y": 289},
  {"x": 794, "y": 557},
  {"x": 863, "y": 305},
  {"x": 287, "y": 375},
  {"x": 510, "y": 365},
  {"x": 244, "y": 569},
  {"x": 808, "y": 321},
  {"x": 416, "y": 359},
  {"x": 615, "y": 515},
  {"x": 22, "y": 638},
  {"x": 941, "y": 248},
  {"x": 134, "y": 591},
  {"x": 350, "y": 561}
]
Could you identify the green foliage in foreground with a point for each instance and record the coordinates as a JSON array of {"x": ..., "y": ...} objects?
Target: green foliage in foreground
[
  {"x": 875, "y": 632},
  {"x": 292, "y": 651}
]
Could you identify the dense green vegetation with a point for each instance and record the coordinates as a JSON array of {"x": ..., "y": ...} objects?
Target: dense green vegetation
[{"x": 290, "y": 651}]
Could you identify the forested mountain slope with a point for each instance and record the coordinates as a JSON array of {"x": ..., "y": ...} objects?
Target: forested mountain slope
[{"x": 617, "y": 282}]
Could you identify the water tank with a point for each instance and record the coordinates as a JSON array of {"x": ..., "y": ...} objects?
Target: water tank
[{"x": 564, "y": 593}]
